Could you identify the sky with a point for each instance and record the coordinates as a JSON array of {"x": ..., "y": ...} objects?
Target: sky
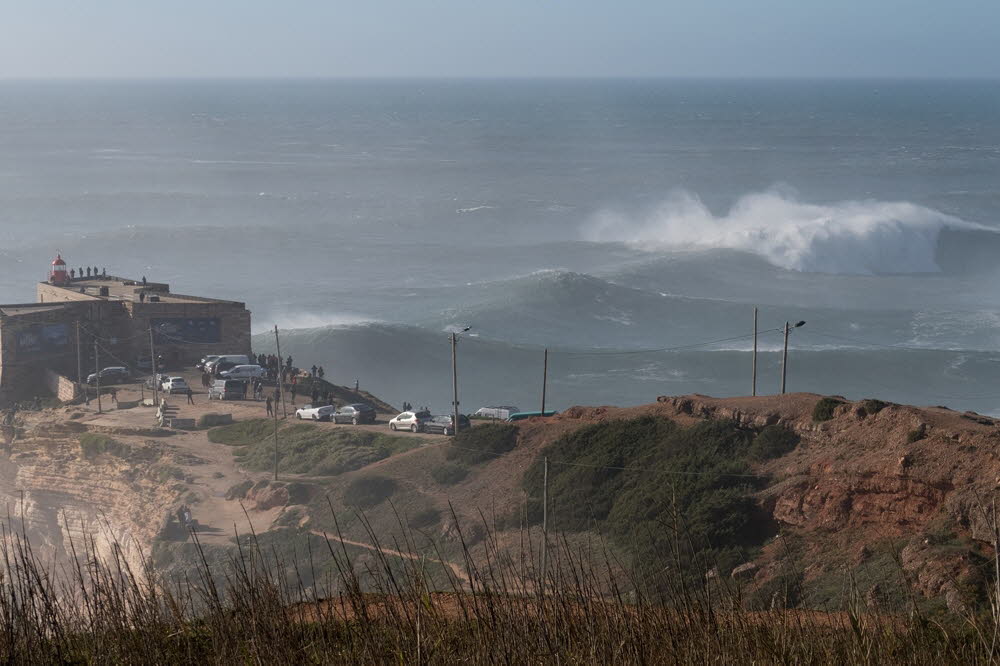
[{"x": 502, "y": 38}]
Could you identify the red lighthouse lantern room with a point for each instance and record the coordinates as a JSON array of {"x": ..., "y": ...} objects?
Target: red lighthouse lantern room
[{"x": 58, "y": 273}]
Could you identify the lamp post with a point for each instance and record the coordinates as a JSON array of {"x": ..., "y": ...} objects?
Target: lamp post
[
  {"x": 454, "y": 376},
  {"x": 784, "y": 354}
]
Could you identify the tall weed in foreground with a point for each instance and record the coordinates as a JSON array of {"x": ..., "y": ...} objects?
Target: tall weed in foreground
[{"x": 494, "y": 608}]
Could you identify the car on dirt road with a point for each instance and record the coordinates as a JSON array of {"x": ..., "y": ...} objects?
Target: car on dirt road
[
  {"x": 314, "y": 412},
  {"x": 445, "y": 424},
  {"x": 412, "y": 421},
  {"x": 174, "y": 385},
  {"x": 355, "y": 414},
  {"x": 113, "y": 375}
]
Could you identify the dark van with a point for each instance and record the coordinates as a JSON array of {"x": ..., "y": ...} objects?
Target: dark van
[{"x": 227, "y": 389}]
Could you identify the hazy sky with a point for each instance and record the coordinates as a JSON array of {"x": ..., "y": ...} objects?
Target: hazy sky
[{"x": 254, "y": 38}]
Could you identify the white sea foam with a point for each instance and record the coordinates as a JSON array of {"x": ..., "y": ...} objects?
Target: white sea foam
[
  {"x": 849, "y": 237},
  {"x": 305, "y": 320}
]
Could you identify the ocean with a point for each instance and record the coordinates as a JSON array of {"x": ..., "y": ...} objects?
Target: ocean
[{"x": 630, "y": 227}]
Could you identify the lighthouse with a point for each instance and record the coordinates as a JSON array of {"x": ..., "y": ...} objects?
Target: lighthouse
[{"x": 58, "y": 273}]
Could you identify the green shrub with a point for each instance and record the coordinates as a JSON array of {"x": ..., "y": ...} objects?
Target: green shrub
[
  {"x": 368, "y": 491},
  {"x": 94, "y": 444},
  {"x": 773, "y": 441},
  {"x": 916, "y": 434},
  {"x": 823, "y": 411},
  {"x": 425, "y": 518},
  {"x": 211, "y": 420},
  {"x": 240, "y": 490},
  {"x": 873, "y": 406},
  {"x": 448, "y": 474},
  {"x": 308, "y": 448},
  {"x": 483, "y": 443},
  {"x": 242, "y": 433},
  {"x": 658, "y": 490}
]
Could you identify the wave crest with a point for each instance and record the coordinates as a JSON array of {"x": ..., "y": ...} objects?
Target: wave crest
[{"x": 850, "y": 237}]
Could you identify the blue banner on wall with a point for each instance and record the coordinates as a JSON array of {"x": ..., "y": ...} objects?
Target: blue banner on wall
[
  {"x": 43, "y": 338},
  {"x": 186, "y": 330}
]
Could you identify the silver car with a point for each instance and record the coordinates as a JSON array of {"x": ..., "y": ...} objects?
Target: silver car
[{"x": 412, "y": 421}]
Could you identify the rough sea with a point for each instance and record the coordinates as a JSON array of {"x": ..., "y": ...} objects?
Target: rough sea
[{"x": 628, "y": 226}]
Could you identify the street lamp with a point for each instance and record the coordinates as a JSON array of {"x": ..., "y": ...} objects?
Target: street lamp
[
  {"x": 784, "y": 354},
  {"x": 454, "y": 375}
]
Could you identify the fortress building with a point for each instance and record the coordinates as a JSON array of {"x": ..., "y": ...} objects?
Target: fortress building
[{"x": 73, "y": 312}]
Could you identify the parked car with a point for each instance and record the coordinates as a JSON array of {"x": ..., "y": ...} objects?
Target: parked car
[
  {"x": 242, "y": 372},
  {"x": 314, "y": 412},
  {"x": 206, "y": 360},
  {"x": 235, "y": 359},
  {"x": 412, "y": 421},
  {"x": 445, "y": 424},
  {"x": 174, "y": 385},
  {"x": 496, "y": 412},
  {"x": 227, "y": 389},
  {"x": 112, "y": 375},
  {"x": 355, "y": 414},
  {"x": 220, "y": 366}
]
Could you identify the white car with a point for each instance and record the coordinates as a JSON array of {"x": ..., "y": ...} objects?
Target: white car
[
  {"x": 412, "y": 421},
  {"x": 315, "y": 412},
  {"x": 174, "y": 385}
]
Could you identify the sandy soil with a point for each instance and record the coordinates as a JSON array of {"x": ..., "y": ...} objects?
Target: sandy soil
[{"x": 212, "y": 469}]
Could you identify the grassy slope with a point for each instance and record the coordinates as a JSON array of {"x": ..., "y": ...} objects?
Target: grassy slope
[{"x": 306, "y": 448}]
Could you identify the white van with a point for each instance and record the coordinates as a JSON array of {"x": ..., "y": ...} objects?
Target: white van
[
  {"x": 237, "y": 359},
  {"x": 501, "y": 413},
  {"x": 243, "y": 372}
]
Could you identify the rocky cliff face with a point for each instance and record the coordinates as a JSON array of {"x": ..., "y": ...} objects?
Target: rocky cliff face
[
  {"x": 915, "y": 484},
  {"x": 66, "y": 501}
]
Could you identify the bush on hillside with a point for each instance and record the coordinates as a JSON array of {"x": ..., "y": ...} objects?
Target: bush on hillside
[
  {"x": 368, "y": 491},
  {"x": 773, "y": 441},
  {"x": 307, "y": 448},
  {"x": 658, "y": 490},
  {"x": 448, "y": 474},
  {"x": 424, "y": 518},
  {"x": 483, "y": 443},
  {"x": 94, "y": 444},
  {"x": 873, "y": 406},
  {"x": 825, "y": 407},
  {"x": 242, "y": 433}
]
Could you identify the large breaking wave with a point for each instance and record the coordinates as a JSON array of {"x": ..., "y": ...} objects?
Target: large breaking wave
[{"x": 849, "y": 237}]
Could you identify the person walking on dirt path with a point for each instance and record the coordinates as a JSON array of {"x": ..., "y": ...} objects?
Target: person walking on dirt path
[
  {"x": 190, "y": 395},
  {"x": 114, "y": 395},
  {"x": 294, "y": 389},
  {"x": 270, "y": 411},
  {"x": 315, "y": 395}
]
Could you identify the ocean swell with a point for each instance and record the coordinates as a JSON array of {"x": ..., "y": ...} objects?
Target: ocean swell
[{"x": 849, "y": 237}]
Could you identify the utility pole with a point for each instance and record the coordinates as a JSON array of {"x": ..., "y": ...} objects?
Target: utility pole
[
  {"x": 545, "y": 522},
  {"x": 97, "y": 370},
  {"x": 545, "y": 378},
  {"x": 454, "y": 378},
  {"x": 152, "y": 362},
  {"x": 79, "y": 359},
  {"x": 754, "y": 385},
  {"x": 281, "y": 365},
  {"x": 275, "y": 413},
  {"x": 784, "y": 355},
  {"x": 784, "y": 360}
]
